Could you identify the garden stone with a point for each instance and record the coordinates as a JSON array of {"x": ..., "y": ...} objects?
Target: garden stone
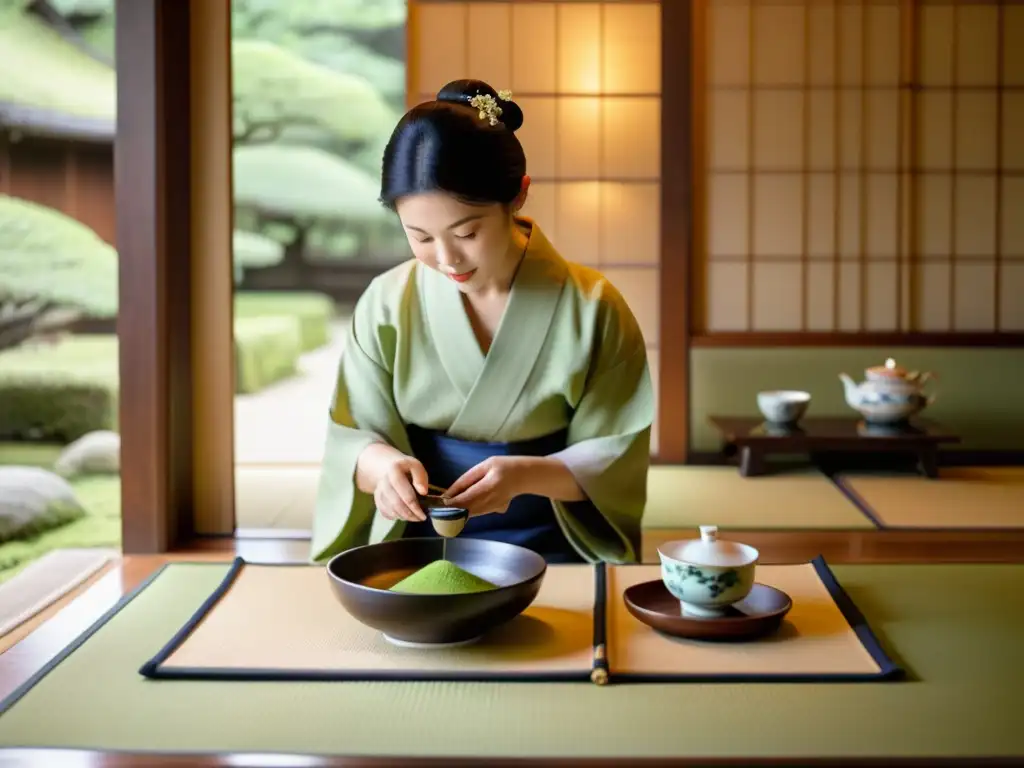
[
  {"x": 97, "y": 453},
  {"x": 33, "y": 500}
]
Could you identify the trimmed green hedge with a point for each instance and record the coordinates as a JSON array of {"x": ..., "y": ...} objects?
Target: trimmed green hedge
[
  {"x": 59, "y": 392},
  {"x": 314, "y": 311},
  {"x": 267, "y": 350},
  {"x": 54, "y": 407}
]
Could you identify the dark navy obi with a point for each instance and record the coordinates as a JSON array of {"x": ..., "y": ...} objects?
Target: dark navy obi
[{"x": 529, "y": 521}]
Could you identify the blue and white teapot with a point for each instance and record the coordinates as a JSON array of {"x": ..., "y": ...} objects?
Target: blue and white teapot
[{"x": 890, "y": 395}]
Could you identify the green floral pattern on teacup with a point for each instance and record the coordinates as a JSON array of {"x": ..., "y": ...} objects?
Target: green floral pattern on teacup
[{"x": 715, "y": 583}]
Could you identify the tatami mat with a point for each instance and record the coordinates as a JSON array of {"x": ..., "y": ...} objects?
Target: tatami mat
[
  {"x": 958, "y": 635},
  {"x": 962, "y": 497},
  {"x": 279, "y": 497},
  {"x": 686, "y": 497},
  {"x": 48, "y": 579}
]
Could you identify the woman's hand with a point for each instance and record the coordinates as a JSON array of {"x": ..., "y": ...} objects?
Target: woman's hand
[
  {"x": 395, "y": 494},
  {"x": 489, "y": 487},
  {"x": 394, "y": 479}
]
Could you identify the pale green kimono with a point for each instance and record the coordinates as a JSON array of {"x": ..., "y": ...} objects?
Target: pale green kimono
[{"x": 567, "y": 354}]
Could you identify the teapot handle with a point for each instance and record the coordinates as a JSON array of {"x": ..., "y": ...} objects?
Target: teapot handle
[{"x": 923, "y": 379}]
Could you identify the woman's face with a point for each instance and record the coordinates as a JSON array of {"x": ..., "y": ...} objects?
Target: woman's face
[{"x": 472, "y": 245}]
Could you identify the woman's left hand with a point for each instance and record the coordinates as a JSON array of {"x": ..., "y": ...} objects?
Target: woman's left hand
[{"x": 489, "y": 487}]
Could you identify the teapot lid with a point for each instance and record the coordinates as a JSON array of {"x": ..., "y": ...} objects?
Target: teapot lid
[
  {"x": 710, "y": 550},
  {"x": 889, "y": 369}
]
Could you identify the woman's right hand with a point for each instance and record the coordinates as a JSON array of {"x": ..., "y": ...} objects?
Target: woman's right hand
[
  {"x": 395, "y": 494},
  {"x": 394, "y": 480}
]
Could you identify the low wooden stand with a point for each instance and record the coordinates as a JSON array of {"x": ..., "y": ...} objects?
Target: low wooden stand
[{"x": 755, "y": 440}]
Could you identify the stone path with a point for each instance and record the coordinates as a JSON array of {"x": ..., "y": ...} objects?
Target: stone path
[{"x": 287, "y": 422}]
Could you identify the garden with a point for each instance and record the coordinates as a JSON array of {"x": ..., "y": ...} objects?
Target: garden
[{"x": 317, "y": 88}]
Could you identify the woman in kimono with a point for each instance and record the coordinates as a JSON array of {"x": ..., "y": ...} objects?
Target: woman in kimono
[{"x": 487, "y": 366}]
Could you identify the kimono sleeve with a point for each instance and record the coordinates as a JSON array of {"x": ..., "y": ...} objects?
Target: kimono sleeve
[
  {"x": 609, "y": 444},
  {"x": 363, "y": 411}
]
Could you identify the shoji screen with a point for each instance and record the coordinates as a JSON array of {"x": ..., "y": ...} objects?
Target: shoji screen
[
  {"x": 970, "y": 218},
  {"x": 588, "y": 78},
  {"x": 860, "y": 168}
]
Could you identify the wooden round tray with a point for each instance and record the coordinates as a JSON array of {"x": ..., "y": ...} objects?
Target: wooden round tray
[{"x": 757, "y": 615}]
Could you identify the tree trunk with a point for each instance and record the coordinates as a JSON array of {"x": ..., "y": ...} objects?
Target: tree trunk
[
  {"x": 20, "y": 322},
  {"x": 295, "y": 251}
]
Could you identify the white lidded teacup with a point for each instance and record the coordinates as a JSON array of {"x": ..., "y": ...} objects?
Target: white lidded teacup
[{"x": 707, "y": 575}]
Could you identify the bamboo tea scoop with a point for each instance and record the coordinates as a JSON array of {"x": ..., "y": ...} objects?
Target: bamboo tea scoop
[{"x": 448, "y": 521}]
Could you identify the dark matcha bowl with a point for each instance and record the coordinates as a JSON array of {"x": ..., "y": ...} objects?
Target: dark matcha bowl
[{"x": 362, "y": 578}]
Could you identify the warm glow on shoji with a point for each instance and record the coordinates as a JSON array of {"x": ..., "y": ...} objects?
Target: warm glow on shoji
[
  {"x": 825, "y": 209},
  {"x": 970, "y": 223},
  {"x": 588, "y": 77}
]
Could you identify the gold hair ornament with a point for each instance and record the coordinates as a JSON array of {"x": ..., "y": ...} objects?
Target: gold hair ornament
[{"x": 487, "y": 106}]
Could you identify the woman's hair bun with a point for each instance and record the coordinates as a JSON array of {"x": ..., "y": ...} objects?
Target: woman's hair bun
[
  {"x": 463, "y": 91},
  {"x": 458, "y": 143}
]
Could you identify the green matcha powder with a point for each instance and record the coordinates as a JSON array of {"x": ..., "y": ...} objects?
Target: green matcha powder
[{"x": 442, "y": 577}]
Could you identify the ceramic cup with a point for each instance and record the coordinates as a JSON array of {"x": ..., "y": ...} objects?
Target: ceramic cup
[
  {"x": 448, "y": 521},
  {"x": 783, "y": 406},
  {"x": 707, "y": 575}
]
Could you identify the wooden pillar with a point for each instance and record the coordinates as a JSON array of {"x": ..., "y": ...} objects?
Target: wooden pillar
[
  {"x": 152, "y": 187},
  {"x": 212, "y": 223},
  {"x": 677, "y": 290}
]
